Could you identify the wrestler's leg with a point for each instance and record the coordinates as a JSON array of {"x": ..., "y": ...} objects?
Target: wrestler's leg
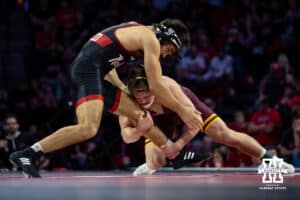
[
  {"x": 219, "y": 132},
  {"x": 246, "y": 144},
  {"x": 88, "y": 116},
  {"x": 89, "y": 107},
  {"x": 155, "y": 158}
]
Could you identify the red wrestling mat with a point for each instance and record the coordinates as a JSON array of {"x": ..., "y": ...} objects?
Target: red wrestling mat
[{"x": 163, "y": 185}]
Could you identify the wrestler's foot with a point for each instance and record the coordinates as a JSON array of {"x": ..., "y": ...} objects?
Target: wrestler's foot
[
  {"x": 188, "y": 157},
  {"x": 23, "y": 160},
  {"x": 281, "y": 164},
  {"x": 143, "y": 170}
]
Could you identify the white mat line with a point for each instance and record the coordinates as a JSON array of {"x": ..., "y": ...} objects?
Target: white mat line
[{"x": 213, "y": 169}]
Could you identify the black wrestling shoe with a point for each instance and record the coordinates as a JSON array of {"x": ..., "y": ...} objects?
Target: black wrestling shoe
[
  {"x": 188, "y": 157},
  {"x": 23, "y": 160}
]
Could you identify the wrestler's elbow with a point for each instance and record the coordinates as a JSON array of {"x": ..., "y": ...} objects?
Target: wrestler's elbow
[
  {"x": 128, "y": 137},
  {"x": 128, "y": 140}
]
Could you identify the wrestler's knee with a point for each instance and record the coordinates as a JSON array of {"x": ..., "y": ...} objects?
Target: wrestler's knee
[
  {"x": 88, "y": 130},
  {"x": 224, "y": 135}
]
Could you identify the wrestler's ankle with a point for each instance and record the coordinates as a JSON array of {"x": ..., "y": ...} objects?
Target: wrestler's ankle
[{"x": 37, "y": 148}]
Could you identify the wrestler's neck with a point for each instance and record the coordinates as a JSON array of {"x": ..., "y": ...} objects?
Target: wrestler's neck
[{"x": 156, "y": 107}]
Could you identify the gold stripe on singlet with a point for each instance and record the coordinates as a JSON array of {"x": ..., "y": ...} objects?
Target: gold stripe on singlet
[
  {"x": 210, "y": 121},
  {"x": 148, "y": 142}
]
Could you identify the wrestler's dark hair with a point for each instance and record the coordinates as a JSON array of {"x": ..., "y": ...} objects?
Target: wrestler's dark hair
[
  {"x": 137, "y": 79},
  {"x": 180, "y": 29}
]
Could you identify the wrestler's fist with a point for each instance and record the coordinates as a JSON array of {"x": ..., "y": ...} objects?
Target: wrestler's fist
[
  {"x": 191, "y": 117},
  {"x": 145, "y": 122},
  {"x": 171, "y": 150}
]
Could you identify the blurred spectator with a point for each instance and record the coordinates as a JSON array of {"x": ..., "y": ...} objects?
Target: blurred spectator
[
  {"x": 289, "y": 147},
  {"x": 288, "y": 36},
  {"x": 296, "y": 134},
  {"x": 79, "y": 157},
  {"x": 290, "y": 78},
  {"x": 42, "y": 12},
  {"x": 3, "y": 160},
  {"x": 220, "y": 67},
  {"x": 265, "y": 123},
  {"x": 45, "y": 39},
  {"x": 294, "y": 104},
  {"x": 239, "y": 123},
  {"x": 3, "y": 101},
  {"x": 236, "y": 50},
  {"x": 12, "y": 140},
  {"x": 191, "y": 67},
  {"x": 34, "y": 133},
  {"x": 218, "y": 76},
  {"x": 284, "y": 63},
  {"x": 218, "y": 159},
  {"x": 66, "y": 16},
  {"x": 284, "y": 108},
  {"x": 275, "y": 79},
  {"x": 205, "y": 48}
]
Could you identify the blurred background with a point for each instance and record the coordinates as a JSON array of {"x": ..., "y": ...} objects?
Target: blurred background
[{"x": 243, "y": 62}]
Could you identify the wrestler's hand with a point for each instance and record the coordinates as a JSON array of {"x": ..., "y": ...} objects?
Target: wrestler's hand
[
  {"x": 191, "y": 117},
  {"x": 145, "y": 122},
  {"x": 171, "y": 150}
]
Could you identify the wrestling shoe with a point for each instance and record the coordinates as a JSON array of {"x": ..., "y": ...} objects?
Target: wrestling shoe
[
  {"x": 284, "y": 165},
  {"x": 143, "y": 170},
  {"x": 188, "y": 157},
  {"x": 289, "y": 167},
  {"x": 280, "y": 163},
  {"x": 23, "y": 160}
]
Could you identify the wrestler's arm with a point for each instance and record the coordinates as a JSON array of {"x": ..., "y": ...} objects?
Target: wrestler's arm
[
  {"x": 188, "y": 133},
  {"x": 129, "y": 132},
  {"x": 114, "y": 79},
  {"x": 153, "y": 70},
  {"x": 176, "y": 90},
  {"x": 151, "y": 47}
]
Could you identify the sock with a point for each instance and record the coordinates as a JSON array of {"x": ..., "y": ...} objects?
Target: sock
[
  {"x": 169, "y": 141},
  {"x": 146, "y": 167},
  {"x": 37, "y": 147},
  {"x": 151, "y": 170}
]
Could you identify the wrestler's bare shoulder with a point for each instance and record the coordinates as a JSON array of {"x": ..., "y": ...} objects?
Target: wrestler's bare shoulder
[
  {"x": 132, "y": 37},
  {"x": 169, "y": 81}
]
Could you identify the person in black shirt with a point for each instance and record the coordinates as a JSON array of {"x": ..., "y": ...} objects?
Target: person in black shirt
[{"x": 12, "y": 139}]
